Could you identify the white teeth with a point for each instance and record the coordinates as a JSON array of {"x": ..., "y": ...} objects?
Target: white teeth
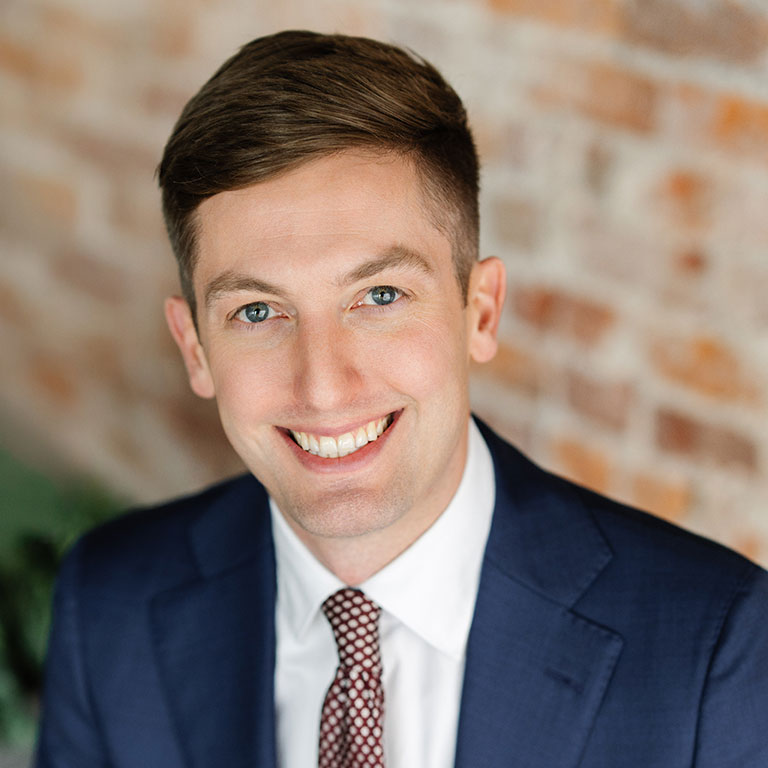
[
  {"x": 328, "y": 447},
  {"x": 343, "y": 445}
]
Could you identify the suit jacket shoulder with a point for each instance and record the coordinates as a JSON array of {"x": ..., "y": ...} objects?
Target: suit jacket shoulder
[
  {"x": 162, "y": 646},
  {"x": 609, "y": 637},
  {"x": 147, "y": 550}
]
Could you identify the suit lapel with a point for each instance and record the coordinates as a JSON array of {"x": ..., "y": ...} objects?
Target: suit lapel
[
  {"x": 535, "y": 676},
  {"x": 215, "y": 640},
  {"x": 536, "y": 672}
]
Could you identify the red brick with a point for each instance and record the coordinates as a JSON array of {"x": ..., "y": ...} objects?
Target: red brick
[
  {"x": 13, "y": 310},
  {"x": 706, "y": 365},
  {"x": 60, "y": 23},
  {"x": 751, "y": 545},
  {"x": 582, "y": 463},
  {"x": 37, "y": 67},
  {"x": 679, "y": 278},
  {"x": 603, "y": 92},
  {"x": 515, "y": 368},
  {"x": 741, "y": 124},
  {"x": 48, "y": 197},
  {"x": 135, "y": 212},
  {"x": 670, "y": 499},
  {"x": 605, "y": 402},
  {"x": 174, "y": 31},
  {"x": 727, "y": 121},
  {"x": 101, "y": 357},
  {"x": 113, "y": 154},
  {"x": 191, "y": 419},
  {"x": 677, "y": 433},
  {"x": 687, "y": 197},
  {"x": 55, "y": 380},
  {"x": 94, "y": 277},
  {"x": 691, "y": 262},
  {"x": 681, "y": 434},
  {"x": 594, "y": 16},
  {"x": 159, "y": 99},
  {"x": 550, "y": 309},
  {"x": 725, "y": 31}
]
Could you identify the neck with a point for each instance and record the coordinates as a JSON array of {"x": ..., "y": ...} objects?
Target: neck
[{"x": 355, "y": 558}]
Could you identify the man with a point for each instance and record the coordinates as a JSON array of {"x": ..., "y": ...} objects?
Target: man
[{"x": 393, "y": 585}]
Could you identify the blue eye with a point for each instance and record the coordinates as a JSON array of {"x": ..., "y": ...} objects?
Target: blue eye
[
  {"x": 254, "y": 313},
  {"x": 383, "y": 295}
]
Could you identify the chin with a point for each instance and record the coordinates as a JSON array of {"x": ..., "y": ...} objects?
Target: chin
[{"x": 347, "y": 514}]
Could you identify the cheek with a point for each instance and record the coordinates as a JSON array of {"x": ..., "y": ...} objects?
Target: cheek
[
  {"x": 246, "y": 381},
  {"x": 430, "y": 356}
]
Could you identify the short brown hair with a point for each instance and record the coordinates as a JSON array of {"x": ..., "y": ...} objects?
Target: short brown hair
[{"x": 288, "y": 98}]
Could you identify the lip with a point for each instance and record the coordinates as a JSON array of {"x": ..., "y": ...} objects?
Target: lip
[
  {"x": 336, "y": 432},
  {"x": 350, "y": 462}
]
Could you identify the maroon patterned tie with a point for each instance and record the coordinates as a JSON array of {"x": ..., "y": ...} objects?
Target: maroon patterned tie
[{"x": 350, "y": 726}]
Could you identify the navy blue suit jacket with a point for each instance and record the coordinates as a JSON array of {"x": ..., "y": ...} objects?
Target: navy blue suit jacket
[{"x": 602, "y": 638}]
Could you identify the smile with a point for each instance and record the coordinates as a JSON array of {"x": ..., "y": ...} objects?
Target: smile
[{"x": 335, "y": 447}]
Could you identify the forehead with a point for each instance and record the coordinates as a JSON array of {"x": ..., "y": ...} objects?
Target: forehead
[{"x": 342, "y": 207}]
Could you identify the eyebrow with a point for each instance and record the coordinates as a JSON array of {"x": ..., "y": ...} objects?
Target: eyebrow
[
  {"x": 395, "y": 256},
  {"x": 234, "y": 282}
]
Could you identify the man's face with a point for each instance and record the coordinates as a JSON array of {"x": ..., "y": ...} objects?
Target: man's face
[{"x": 330, "y": 319}]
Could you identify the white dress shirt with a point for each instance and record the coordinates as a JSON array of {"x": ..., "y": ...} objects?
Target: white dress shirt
[{"x": 427, "y": 596}]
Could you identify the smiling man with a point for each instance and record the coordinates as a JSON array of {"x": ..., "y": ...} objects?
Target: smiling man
[{"x": 391, "y": 584}]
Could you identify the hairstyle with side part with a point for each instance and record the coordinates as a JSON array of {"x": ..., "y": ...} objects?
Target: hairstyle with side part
[{"x": 295, "y": 96}]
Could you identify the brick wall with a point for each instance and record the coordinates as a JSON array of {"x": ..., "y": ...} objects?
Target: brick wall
[{"x": 626, "y": 186}]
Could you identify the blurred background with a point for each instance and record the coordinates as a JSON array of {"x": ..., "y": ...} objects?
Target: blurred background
[{"x": 625, "y": 153}]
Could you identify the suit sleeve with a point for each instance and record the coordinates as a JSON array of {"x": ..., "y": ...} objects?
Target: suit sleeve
[
  {"x": 69, "y": 735},
  {"x": 733, "y": 724}
]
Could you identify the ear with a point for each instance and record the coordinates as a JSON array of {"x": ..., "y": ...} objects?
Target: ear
[
  {"x": 178, "y": 315},
  {"x": 485, "y": 299}
]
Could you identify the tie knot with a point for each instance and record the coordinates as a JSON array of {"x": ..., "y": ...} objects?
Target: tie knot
[{"x": 354, "y": 620}]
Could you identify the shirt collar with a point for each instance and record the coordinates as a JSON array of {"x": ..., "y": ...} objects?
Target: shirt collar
[{"x": 431, "y": 587}]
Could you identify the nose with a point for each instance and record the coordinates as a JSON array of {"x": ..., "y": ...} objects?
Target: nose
[{"x": 327, "y": 366}]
